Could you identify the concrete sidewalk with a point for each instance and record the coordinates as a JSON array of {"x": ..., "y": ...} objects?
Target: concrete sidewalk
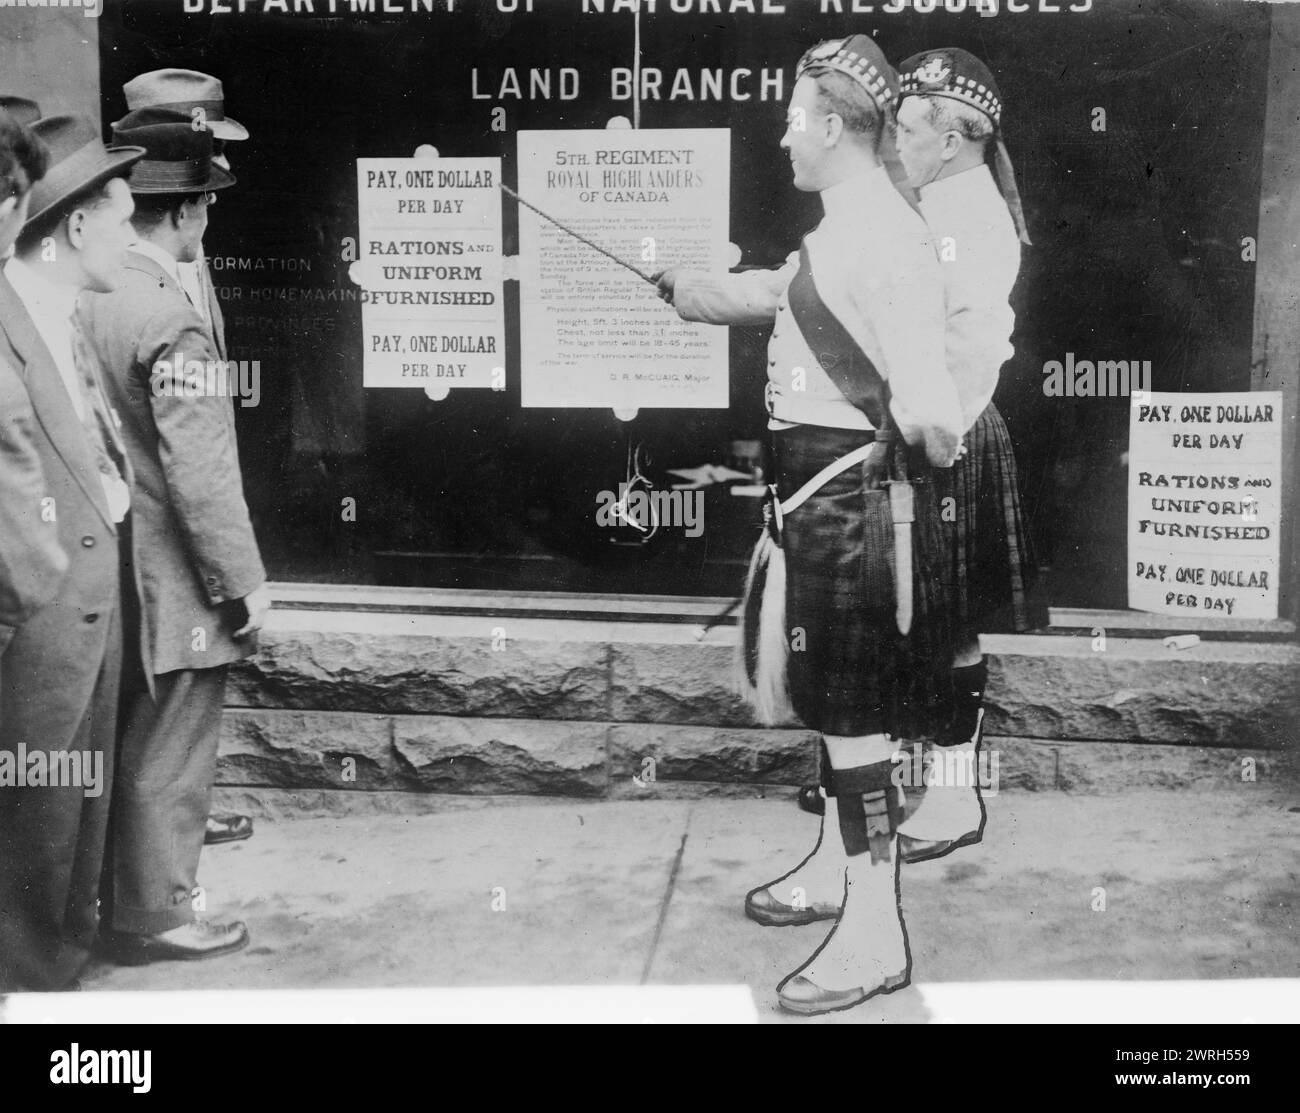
[{"x": 511, "y": 891}]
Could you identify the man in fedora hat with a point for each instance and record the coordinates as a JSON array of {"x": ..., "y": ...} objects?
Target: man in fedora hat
[
  {"x": 202, "y": 99},
  {"x": 23, "y": 112},
  {"x": 32, "y": 563},
  {"x": 855, "y": 373},
  {"x": 60, "y": 671},
  {"x": 20, "y": 109},
  {"x": 204, "y": 579}
]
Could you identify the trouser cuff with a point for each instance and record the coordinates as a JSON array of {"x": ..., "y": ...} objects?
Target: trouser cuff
[{"x": 141, "y": 921}]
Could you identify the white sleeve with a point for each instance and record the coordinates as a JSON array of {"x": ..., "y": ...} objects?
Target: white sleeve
[
  {"x": 980, "y": 327},
  {"x": 747, "y": 298},
  {"x": 904, "y": 303}
]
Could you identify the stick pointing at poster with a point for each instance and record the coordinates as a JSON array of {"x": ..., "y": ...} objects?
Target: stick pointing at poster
[{"x": 578, "y": 235}]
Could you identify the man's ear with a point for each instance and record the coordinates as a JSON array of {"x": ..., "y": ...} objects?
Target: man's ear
[
  {"x": 952, "y": 143},
  {"x": 834, "y": 129},
  {"x": 75, "y": 224}
]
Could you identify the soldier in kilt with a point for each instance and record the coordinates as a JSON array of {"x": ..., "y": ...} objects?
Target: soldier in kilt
[
  {"x": 949, "y": 114},
  {"x": 950, "y": 144},
  {"x": 860, "y": 402}
]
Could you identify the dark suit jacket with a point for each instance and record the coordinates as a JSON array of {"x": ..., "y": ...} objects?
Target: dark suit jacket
[
  {"x": 58, "y": 688},
  {"x": 32, "y": 563},
  {"x": 70, "y": 644},
  {"x": 191, "y": 522}
]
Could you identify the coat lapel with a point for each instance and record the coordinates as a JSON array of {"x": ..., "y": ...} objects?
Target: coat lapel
[
  {"x": 218, "y": 323},
  {"x": 50, "y": 399},
  {"x": 212, "y": 324}
]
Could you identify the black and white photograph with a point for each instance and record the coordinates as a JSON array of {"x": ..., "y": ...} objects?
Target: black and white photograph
[{"x": 650, "y": 512}]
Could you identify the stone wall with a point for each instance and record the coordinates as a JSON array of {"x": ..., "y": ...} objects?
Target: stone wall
[{"x": 471, "y": 705}]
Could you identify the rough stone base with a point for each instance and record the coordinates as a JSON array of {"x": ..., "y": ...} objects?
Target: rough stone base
[
  {"x": 358, "y": 701},
  {"x": 1234, "y": 694},
  {"x": 323, "y": 753}
]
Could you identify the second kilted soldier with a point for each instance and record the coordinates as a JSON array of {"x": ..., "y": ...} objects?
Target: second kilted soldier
[
  {"x": 857, "y": 383},
  {"x": 949, "y": 141}
]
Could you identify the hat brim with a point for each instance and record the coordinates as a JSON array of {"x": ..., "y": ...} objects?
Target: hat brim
[
  {"x": 227, "y": 129},
  {"x": 84, "y": 170},
  {"x": 217, "y": 179}
]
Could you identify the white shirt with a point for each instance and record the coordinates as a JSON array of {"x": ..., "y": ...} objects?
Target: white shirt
[
  {"x": 876, "y": 271},
  {"x": 51, "y": 306},
  {"x": 979, "y": 254}
]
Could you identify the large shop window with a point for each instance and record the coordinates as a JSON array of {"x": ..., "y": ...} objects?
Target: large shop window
[{"x": 1137, "y": 257}]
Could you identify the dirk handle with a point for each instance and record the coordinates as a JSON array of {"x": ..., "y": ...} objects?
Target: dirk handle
[{"x": 901, "y": 506}]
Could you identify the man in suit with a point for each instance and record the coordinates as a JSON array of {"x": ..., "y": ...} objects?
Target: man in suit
[
  {"x": 60, "y": 671},
  {"x": 201, "y": 98},
  {"x": 32, "y": 563},
  {"x": 204, "y": 583}
]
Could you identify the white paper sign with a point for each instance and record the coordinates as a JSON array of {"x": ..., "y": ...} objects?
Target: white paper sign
[
  {"x": 429, "y": 262},
  {"x": 1204, "y": 504},
  {"x": 591, "y": 332}
]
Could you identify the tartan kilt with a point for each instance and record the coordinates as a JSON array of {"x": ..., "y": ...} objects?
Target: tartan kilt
[
  {"x": 989, "y": 573},
  {"x": 850, "y": 671}
]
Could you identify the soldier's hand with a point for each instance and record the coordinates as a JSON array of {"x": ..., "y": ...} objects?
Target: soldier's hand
[
  {"x": 257, "y": 603},
  {"x": 666, "y": 280}
]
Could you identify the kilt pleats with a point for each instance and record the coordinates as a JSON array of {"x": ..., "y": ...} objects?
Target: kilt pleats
[
  {"x": 850, "y": 671},
  {"x": 988, "y": 569}
]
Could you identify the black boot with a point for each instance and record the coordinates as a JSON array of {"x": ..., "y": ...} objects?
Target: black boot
[
  {"x": 968, "y": 684},
  {"x": 810, "y": 797}
]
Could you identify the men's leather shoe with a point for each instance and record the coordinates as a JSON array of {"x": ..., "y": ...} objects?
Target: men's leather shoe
[
  {"x": 227, "y": 828},
  {"x": 188, "y": 942},
  {"x": 763, "y": 908},
  {"x": 799, "y": 995},
  {"x": 811, "y": 799},
  {"x": 923, "y": 850}
]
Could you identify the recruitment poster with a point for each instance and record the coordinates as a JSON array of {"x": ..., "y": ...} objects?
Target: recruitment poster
[
  {"x": 592, "y": 329},
  {"x": 1205, "y": 508},
  {"x": 429, "y": 260}
]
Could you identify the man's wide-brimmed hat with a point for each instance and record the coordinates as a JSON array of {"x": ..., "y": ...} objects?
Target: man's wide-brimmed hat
[
  {"x": 183, "y": 91},
  {"x": 78, "y": 161},
  {"x": 21, "y": 109},
  {"x": 178, "y": 158}
]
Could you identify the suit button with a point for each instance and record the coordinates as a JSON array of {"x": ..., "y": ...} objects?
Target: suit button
[
  {"x": 780, "y": 308},
  {"x": 87, "y": 542},
  {"x": 92, "y": 617}
]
